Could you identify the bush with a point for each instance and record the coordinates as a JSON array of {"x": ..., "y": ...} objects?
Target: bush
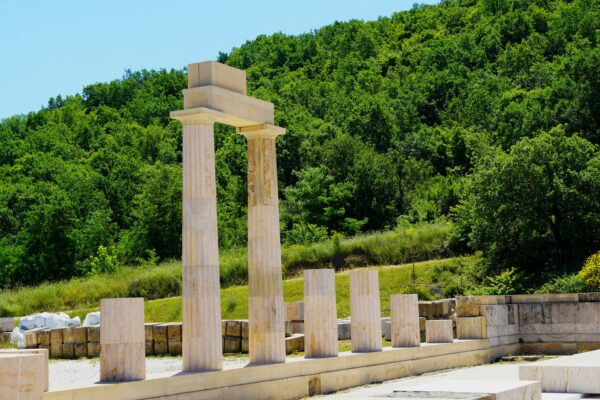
[
  {"x": 564, "y": 284},
  {"x": 590, "y": 272},
  {"x": 509, "y": 281}
]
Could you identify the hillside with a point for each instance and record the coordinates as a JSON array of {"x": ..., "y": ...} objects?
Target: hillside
[{"x": 485, "y": 113}]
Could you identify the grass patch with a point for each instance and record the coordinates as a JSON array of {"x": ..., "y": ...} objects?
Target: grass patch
[
  {"x": 234, "y": 300},
  {"x": 410, "y": 244}
]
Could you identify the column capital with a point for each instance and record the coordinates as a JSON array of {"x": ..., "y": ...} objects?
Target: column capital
[
  {"x": 261, "y": 131},
  {"x": 197, "y": 116}
]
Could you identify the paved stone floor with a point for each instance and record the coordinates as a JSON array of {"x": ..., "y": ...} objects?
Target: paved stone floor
[{"x": 66, "y": 374}]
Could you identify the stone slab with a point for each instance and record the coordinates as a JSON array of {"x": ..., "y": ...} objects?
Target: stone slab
[
  {"x": 500, "y": 389},
  {"x": 212, "y": 73},
  {"x": 439, "y": 331},
  {"x": 6, "y": 325},
  {"x": 471, "y": 328},
  {"x": 572, "y": 374}
]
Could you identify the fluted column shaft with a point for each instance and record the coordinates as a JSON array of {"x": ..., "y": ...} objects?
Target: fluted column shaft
[
  {"x": 202, "y": 346},
  {"x": 365, "y": 311},
  {"x": 265, "y": 297},
  {"x": 320, "y": 314},
  {"x": 405, "y": 320}
]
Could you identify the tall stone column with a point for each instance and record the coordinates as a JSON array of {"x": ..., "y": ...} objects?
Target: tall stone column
[
  {"x": 365, "y": 310},
  {"x": 265, "y": 297},
  {"x": 202, "y": 346},
  {"x": 320, "y": 314}
]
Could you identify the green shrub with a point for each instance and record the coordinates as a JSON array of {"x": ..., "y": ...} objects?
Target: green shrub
[
  {"x": 591, "y": 272},
  {"x": 564, "y": 284},
  {"x": 509, "y": 281}
]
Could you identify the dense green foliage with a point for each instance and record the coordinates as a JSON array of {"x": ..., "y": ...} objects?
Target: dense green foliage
[{"x": 489, "y": 105}]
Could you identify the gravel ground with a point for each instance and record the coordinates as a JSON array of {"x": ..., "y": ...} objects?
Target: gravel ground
[{"x": 65, "y": 374}]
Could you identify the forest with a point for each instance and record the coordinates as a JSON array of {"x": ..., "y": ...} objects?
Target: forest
[{"x": 480, "y": 114}]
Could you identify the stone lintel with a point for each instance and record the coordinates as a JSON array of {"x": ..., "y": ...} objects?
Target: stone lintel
[
  {"x": 260, "y": 131},
  {"x": 230, "y": 103},
  {"x": 212, "y": 73}
]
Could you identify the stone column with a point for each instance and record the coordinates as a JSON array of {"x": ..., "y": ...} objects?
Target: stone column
[
  {"x": 122, "y": 340},
  {"x": 365, "y": 310},
  {"x": 320, "y": 314},
  {"x": 202, "y": 345},
  {"x": 405, "y": 320},
  {"x": 265, "y": 290}
]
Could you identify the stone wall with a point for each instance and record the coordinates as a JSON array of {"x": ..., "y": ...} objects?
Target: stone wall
[
  {"x": 554, "y": 324},
  {"x": 161, "y": 339}
]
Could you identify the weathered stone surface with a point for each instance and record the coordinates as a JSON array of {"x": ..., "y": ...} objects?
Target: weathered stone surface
[
  {"x": 174, "y": 332},
  {"x": 75, "y": 335},
  {"x": 439, "y": 331},
  {"x": 159, "y": 333},
  {"x": 466, "y": 307},
  {"x": 471, "y": 328},
  {"x": 56, "y": 335},
  {"x": 44, "y": 337},
  {"x": 148, "y": 331},
  {"x": 365, "y": 309},
  {"x": 232, "y": 344},
  {"x": 405, "y": 330},
  {"x": 68, "y": 350},
  {"x": 122, "y": 340},
  {"x": 294, "y": 343},
  {"x": 93, "y": 334},
  {"x": 161, "y": 348},
  {"x": 294, "y": 311},
  {"x": 234, "y": 329},
  {"x": 174, "y": 347},
  {"x": 80, "y": 350},
  {"x": 22, "y": 376},
  {"x": 93, "y": 349},
  {"x": 500, "y": 389},
  {"x": 244, "y": 329},
  {"x": 31, "y": 339},
  {"x": 245, "y": 345},
  {"x": 6, "y": 325},
  {"x": 320, "y": 319},
  {"x": 56, "y": 350}
]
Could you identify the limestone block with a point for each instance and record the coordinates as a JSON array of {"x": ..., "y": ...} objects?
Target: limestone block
[
  {"x": 93, "y": 349},
  {"x": 492, "y": 300},
  {"x": 149, "y": 350},
  {"x": 212, "y": 73},
  {"x": 499, "y": 389},
  {"x": 56, "y": 350},
  {"x": 320, "y": 314},
  {"x": 174, "y": 347},
  {"x": 161, "y": 348},
  {"x": 22, "y": 376},
  {"x": 294, "y": 311},
  {"x": 93, "y": 334},
  {"x": 148, "y": 331},
  {"x": 31, "y": 339},
  {"x": 44, "y": 337},
  {"x": 466, "y": 307},
  {"x": 294, "y": 343},
  {"x": 68, "y": 350},
  {"x": 588, "y": 313},
  {"x": 405, "y": 330},
  {"x": 589, "y": 297},
  {"x": 122, "y": 339},
  {"x": 238, "y": 110},
  {"x": 365, "y": 309},
  {"x": 6, "y": 324},
  {"x": 244, "y": 329},
  {"x": 471, "y": 328},
  {"x": 289, "y": 327},
  {"x": 296, "y": 327},
  {"x": 573, "y": 374},
  {"x": 234, "y": 329},
  {"x": 159, "y": 333},
  {"x": 563, "y": 313},
  {"x": 245, "y": 345},
  {"x": 232, "y": 344},
  {"x": 439, "y": 331},
  {"x": 174, "y": 331},
  {"x": 344, "y": 329},
  {"x": 80, "y": 350},
  {"x": 545, "y": 298},
  {"x": 56, "y": 335},
  {"x": 43, "y": 352},
  {"x": 223, "y": 327},
  {"x": 75, "y": 335}
]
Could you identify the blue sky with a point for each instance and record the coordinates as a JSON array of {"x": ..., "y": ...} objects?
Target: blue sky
[{"x": 57, "y": 47}]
